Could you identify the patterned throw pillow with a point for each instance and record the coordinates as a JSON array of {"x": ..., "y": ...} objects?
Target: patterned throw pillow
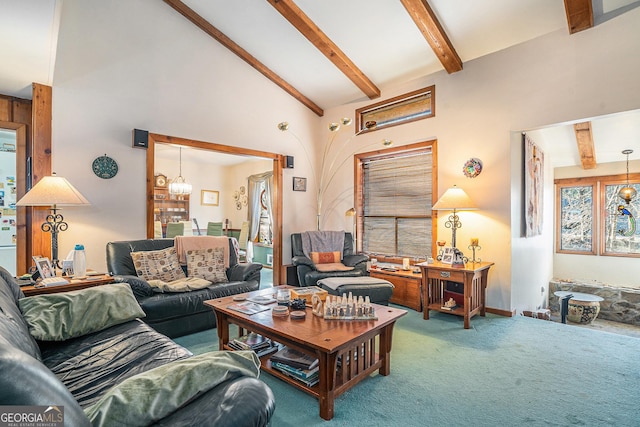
[
  {"x": 207, "y": 264},
  {"x": 325, "y": 257},
  {"x": 158, "y": 265}
]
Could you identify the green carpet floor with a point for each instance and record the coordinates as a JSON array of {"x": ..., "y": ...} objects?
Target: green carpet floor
[{"x": 501, "y": 372}]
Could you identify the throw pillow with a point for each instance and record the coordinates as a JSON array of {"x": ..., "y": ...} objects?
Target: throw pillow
[
  {"x": 158, "y": 265},
  {"x": 139, "y": 286},
  {"x": 143, "y": 399},
  {"x": 181, "y": 285},
  {"x": 334, "y": 266},
  {"x": 207, "y": 264},
  {"x": 325, "y": 257},
  {"x": 64, "y": 315}
]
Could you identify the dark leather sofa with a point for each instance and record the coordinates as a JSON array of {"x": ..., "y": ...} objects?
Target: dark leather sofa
[
  {"x": 179, "y": 313},
  {"x": 76, "y": 373},
  {"x": 307, "y": 273}
]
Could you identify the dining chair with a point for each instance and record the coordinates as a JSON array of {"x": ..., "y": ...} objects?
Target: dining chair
[{"x": 174, "y": 229}]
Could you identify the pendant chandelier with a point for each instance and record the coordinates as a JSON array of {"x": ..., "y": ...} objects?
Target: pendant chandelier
[
  {"x": 179, "y": 186},
  {"x": 627, "y": 193}
]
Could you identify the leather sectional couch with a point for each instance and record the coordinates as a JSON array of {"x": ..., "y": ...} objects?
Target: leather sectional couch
[
  {"x": 181, "y": 313},
  {"x": 77, "y": 373}
]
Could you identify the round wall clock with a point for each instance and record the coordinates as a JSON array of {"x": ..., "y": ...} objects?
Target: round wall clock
[
  {"x": 105, "y": 167},
  {"x": 161, "y": 180}
]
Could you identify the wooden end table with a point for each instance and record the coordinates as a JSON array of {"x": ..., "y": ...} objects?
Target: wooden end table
[
  {"x": 73, "y": 285},
  {"x": 473, "y": 277},
  {"x": 366, "y": 344}
]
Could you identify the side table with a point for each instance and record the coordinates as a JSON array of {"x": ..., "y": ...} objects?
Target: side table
[
  {"x": 472, "y": 277},
  {"x": 73, "y": 285}
]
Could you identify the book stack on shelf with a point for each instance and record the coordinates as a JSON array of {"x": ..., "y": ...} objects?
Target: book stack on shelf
[
  {"x": 297, "y": 365},
  {"x": 256, "y": 342}
]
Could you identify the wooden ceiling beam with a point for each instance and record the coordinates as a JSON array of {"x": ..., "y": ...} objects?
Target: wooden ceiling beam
[
  {"x": 586, "y": 147},
  {"x": 292, "y": 13},
  {"x": 428, "y": 24},
  {"x": 212, "y": 31},
  {"x": 579, "y": 15}
]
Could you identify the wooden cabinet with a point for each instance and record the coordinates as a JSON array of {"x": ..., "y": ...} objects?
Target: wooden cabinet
[
  {"x": 169, "y": 208},
  {"x": 441, "y": 281},
  {"x": 407, "y": 286}
]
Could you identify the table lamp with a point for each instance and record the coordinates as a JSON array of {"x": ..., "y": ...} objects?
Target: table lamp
[
  {"x": 454, "y": 199},
  {"x": 53, "y": 191}
]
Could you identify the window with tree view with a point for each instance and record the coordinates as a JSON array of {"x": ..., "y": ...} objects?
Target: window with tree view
[
  {"x": 585, "y": 205},
  {"x": 396, "y": 199}
]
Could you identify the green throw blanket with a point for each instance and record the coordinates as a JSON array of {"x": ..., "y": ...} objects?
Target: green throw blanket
[{"x": 152, "y": 395}]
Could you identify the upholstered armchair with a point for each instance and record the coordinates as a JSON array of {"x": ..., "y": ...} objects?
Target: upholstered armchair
[{"x": 309, "y": 272}]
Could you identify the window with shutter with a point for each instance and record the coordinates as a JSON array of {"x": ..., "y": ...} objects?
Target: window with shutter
[{"x": 396, "y": 197}]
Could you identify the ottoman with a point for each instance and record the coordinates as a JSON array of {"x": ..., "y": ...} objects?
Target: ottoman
[{"x": 379, "y": 291}]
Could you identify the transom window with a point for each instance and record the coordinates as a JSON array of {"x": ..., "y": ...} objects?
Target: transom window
[{"x": 395, "y": 196}]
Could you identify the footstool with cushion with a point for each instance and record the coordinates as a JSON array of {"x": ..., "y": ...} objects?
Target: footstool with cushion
[{"x": 379, "y": 291}]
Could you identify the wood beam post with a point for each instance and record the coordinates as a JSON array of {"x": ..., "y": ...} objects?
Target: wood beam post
[
  {"x": 586, "y": 148},
  {"x": 219, "y": 36},
  {"x": 292, "y": 13},
  {"x": 428, "y": 24}
]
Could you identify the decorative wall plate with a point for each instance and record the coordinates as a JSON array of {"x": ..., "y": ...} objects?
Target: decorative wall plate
[
  {"x": 105, "y": 167},
  {"x": 472, "y": 168}
]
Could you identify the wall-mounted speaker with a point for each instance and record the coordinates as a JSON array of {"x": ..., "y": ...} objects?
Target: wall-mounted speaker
[
  {"x": 289, "y": 162},
  {"x": 140, "y": 138}
]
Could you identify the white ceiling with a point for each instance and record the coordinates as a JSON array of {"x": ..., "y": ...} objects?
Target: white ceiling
[{"x": 377, "y": 35}]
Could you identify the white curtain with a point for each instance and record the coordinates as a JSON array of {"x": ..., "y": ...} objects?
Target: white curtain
[{"x": 256, "y": 183}]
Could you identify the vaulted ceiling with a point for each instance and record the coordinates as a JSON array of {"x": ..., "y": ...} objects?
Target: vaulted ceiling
[{"x": 329, "y": 52}]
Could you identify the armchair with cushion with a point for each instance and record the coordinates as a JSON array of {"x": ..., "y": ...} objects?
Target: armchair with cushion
[{"x": 327, "y": 264}]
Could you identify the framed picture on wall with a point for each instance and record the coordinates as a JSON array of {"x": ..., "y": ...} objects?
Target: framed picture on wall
[
  {"x": 299, "y": 184},
  {"x": 209, "y": 198}
]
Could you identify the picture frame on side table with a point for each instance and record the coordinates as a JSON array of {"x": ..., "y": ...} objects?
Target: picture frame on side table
[
  {"x": 209, "y": 198},
  {"x": 447, "y": 256},
  {"x": 44, "y": 266},
  {"x": 299, "y": 183}
]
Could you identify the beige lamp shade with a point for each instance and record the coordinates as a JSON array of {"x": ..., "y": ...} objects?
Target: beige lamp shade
[
  {"x": 350, "y": 212},
  {"x": 51, "y": 191},
  {"x": 454, "y": 199}
]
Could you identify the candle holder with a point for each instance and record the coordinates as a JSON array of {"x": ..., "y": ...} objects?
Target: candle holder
[
  {"x": 474, "y": 248},
  {"x": 440, "y": 244}
]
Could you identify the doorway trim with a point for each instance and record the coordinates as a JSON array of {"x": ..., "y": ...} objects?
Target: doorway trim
[{"x": 278, "y": 164}]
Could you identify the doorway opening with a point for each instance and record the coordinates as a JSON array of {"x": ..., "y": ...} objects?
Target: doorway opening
[{"x": 159, "y": 142}]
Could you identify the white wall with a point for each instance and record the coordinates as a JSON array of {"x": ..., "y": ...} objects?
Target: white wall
[
  {"x": 125, "y": 65},
  {"x": 237, "y": 176},
  {"x": 480, "y": 112},
  {"x": 116, "y": 71}
]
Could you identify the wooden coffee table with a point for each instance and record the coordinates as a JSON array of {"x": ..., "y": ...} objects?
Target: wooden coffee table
[{"x": 368, "y": 342}]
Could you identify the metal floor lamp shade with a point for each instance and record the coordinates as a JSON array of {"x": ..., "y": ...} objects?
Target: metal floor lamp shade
[{"x": 53, "y": 191}]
